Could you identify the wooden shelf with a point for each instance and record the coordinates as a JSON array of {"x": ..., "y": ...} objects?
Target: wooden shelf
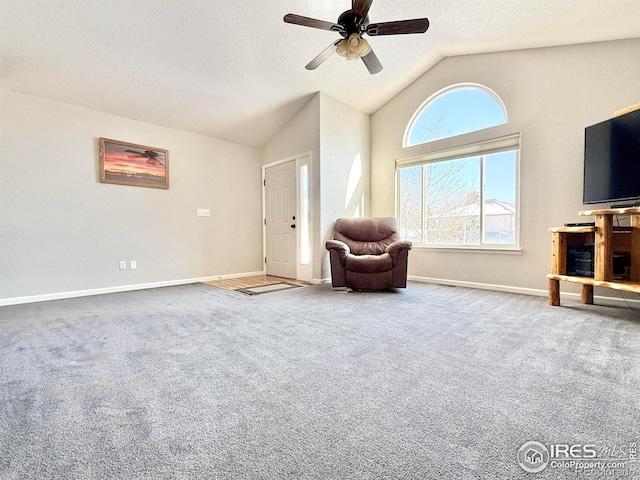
[
  {"x": 624, "y": 285},
  {"x": 611, "y": 211},
  {"x": 573, "y": 230},
  {"x": 607, "y": 240}
]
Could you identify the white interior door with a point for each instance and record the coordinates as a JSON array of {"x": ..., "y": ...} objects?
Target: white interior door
[{"x": 281, "y": 208}]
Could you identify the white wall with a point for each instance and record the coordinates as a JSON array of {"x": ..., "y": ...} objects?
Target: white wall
[
  {"x": 345, "y": 168},
  {"x": 63, "y": 231},
  {"x": 338, "y": 137},
  {"x": 551, "y": 95},
  {"x": 299, "y": 136}
]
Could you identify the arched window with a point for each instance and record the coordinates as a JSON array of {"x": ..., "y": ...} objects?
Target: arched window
[
  {"x": 466, "y": 195},
  {"x": 455, "y": 110}
]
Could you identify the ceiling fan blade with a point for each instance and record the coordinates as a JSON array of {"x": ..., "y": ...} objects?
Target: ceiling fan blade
[
  {"x": 326, "y": 53},
  {"x": 417, "y": 25},
  {"x": 372, "y": 63},
  {"x": 312, "y": 22},
  {"x": 361, "y": 7}
]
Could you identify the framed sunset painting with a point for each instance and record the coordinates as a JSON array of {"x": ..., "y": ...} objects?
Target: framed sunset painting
[{"x": 131, "y": 164}]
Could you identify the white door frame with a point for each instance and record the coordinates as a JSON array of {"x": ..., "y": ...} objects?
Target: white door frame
[{"x": 304, "y": 271}]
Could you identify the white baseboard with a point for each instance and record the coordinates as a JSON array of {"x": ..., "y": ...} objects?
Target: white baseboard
[
  {"x": 521, "y": 290},
  {"x": 481, "y": 286},
  {"x": 117, "y": 289},
  {"x": 439, "y": 281}
]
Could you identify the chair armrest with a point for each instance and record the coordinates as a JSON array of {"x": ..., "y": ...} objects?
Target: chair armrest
[
  {"x": 337, "y": 245},
  {"x": 340, "y": 248},
  {"x": 396, "y": 248},
  {"x": 399, "y": 245}
]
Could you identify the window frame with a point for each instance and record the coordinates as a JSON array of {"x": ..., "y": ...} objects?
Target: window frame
[{"x": 481, "y": 148}]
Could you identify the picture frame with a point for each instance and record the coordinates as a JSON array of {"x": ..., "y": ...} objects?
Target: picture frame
[{"x": 124, "y": 163}]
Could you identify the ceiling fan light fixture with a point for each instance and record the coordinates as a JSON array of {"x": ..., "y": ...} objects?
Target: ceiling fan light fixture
[
  {"x": 342, "y": 49},
  {"x": 353, "y": 48},
  {"x": 364, "y": 48}
]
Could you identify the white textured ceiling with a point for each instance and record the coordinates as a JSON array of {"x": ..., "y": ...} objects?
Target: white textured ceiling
[{"x": 234, "y": 70}]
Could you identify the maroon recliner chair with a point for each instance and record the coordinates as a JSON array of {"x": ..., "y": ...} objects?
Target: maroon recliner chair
[{"x": 367, "y": 254}]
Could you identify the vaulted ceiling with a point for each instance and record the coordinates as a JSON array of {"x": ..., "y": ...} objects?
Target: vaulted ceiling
[{"x": 235, "y": 71}]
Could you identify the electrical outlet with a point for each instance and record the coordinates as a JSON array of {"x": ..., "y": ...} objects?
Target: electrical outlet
[
  {"x": 133, "y": 264},
  {"x": 123, "y": 265}
]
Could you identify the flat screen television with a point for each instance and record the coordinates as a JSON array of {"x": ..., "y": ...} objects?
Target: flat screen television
[{"x": 612, "y": 160}]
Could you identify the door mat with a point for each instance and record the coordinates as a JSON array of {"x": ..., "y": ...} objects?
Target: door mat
[{"x": 273, "y": 287}]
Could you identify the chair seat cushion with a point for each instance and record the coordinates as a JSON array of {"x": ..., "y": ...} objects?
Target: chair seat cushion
[{"x": 368, "y": 263}]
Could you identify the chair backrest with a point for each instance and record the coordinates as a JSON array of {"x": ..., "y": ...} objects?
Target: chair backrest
[{"x": 367, "y": 236}]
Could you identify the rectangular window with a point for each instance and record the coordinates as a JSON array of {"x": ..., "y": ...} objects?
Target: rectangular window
[{"x": 466, "y": 200}]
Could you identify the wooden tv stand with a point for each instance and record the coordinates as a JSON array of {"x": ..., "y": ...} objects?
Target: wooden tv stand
[{"x": 607, "y": 240}]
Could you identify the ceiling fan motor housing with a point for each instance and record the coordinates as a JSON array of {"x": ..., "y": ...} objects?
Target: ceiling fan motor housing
[{"x": 352, "y": 23}]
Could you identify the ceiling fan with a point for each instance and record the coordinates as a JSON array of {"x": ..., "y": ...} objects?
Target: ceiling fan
[{"x": 352, "y": 25}]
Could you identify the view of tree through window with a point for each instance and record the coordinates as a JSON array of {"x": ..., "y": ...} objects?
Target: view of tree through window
[
  {"x": 445, "y": 203},
  {"x": 456, "y": 110},
  {"x": 469, "y": 200}
]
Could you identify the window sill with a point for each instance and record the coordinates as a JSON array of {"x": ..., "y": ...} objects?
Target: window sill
[{"x": 471, "y": 249}]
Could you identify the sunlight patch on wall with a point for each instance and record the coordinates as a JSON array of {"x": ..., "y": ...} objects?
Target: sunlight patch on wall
[{"x": 355, "y": 177}]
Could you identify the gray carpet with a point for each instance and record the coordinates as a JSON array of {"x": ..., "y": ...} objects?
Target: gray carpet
[{"x": 431, "y": 382}]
